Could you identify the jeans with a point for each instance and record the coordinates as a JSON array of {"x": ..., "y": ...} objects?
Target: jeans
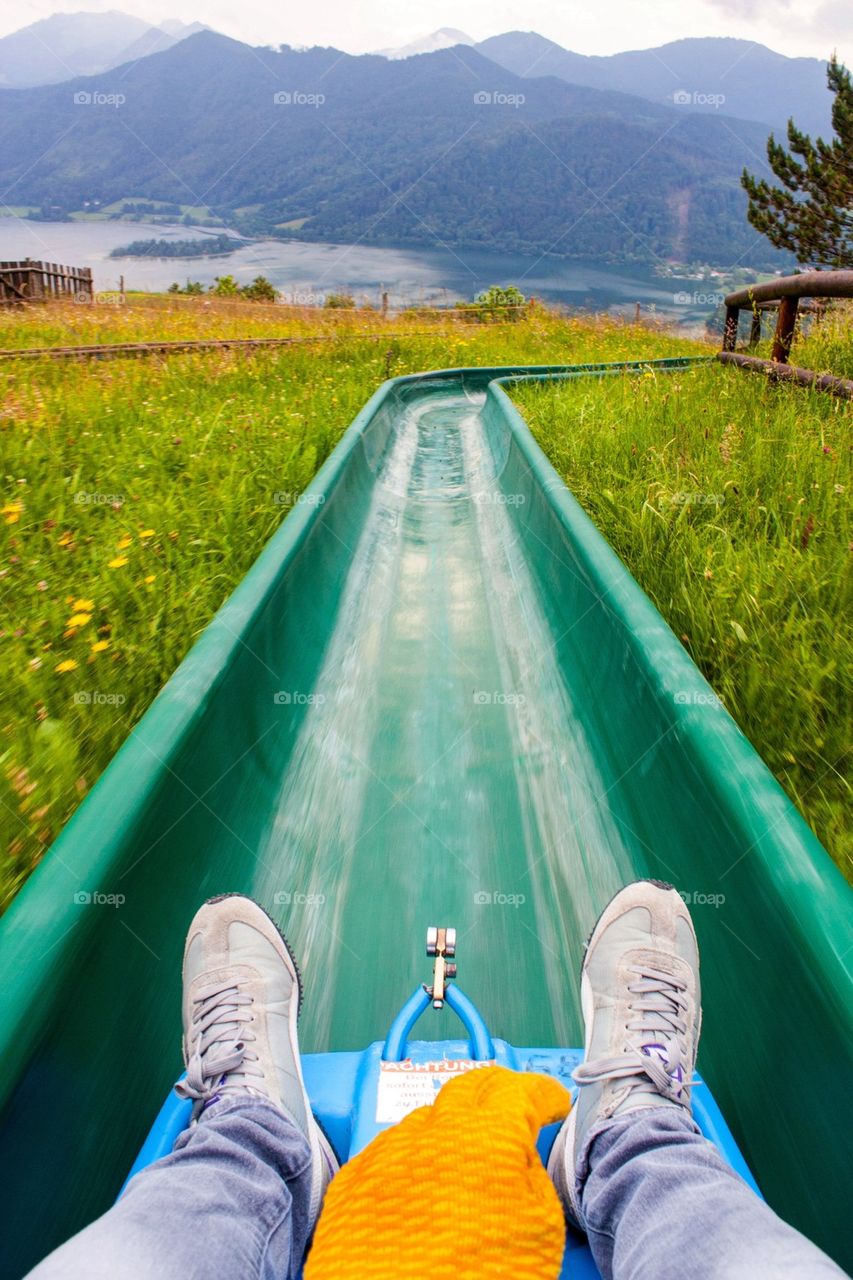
[
  {"x": 232, "y": 1201},
  {"x": 658, "y": 1200}
]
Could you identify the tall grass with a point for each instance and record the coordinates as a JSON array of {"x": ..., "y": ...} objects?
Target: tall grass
[
  {"x": 729, "y": 501},
  {"x": 827, "y": 346},
  {"x": 137, "y": 493}
]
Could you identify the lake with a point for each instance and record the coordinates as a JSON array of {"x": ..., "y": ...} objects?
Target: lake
[{"x": 307, "y": 273}]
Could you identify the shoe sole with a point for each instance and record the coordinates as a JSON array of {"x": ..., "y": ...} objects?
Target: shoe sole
[{"x": 559, "y": 1174}]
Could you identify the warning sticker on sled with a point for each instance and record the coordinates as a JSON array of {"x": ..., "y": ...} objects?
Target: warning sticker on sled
[{"x": 403, "y": 1086}]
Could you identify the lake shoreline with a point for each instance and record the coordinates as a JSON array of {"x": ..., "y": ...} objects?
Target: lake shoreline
[{"x": 305, "y": 271}]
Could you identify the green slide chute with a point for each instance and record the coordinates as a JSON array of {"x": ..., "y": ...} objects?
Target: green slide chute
[{"x": 438, "y": 695}]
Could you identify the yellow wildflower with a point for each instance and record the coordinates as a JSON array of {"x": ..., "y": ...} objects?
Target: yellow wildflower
[
  {"x": 146, "y": 533},
  {"x": 100, "y": 645},
  {"x": 118, "y": 562},
  {"x": 67, "y": 665},
  {"x": 124, "y": 541},
  {"x": 79, "y": 620},
  {"x": 12, "y": 511},
  {"x": 152, "y": 577},
  {"x": 66, "y": 539},
  {"x": 82, "y": 606}
]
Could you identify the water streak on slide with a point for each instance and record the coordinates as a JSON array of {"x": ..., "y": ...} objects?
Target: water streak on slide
[
  {"x": 437, "y": 698},
  {"x": 442, "y": 762}
]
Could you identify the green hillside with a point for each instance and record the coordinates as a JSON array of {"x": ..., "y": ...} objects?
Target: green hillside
[{"x": 446, "y": 148}]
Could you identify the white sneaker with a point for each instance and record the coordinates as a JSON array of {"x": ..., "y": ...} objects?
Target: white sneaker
[
  {"x": 242, "y": 996},
  {"x": 641, "y": 1004}
]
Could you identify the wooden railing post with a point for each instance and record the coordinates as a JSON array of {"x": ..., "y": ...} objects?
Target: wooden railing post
[
  {"x": 785, "y": 326},
  {"x": 36, "y": 281}
]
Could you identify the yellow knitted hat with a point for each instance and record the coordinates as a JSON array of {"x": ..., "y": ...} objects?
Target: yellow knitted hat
[{"x": 455, "y": 1189}]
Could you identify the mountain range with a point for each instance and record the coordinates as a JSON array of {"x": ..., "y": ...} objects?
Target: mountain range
[
  {"x": 739, "y": 77},
  {"x": 444, "y": 147},
  {"x": 447, "y": 147},
  {"x": 67, "y": 45},
  {"x": 716, "y": 74}
]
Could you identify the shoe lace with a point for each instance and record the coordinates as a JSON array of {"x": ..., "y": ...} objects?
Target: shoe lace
[
  {"x": 655, "y": 1055},
  {"x": 218, "y": 1059}
]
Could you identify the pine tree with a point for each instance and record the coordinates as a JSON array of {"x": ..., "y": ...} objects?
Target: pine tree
[{"x": 811, "y": 214}]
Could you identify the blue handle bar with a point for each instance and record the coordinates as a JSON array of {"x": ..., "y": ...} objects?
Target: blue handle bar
[{"x": 482, "y": 1049}]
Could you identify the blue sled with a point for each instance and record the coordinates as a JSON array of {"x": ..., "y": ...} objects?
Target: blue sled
[{"x": 356, "y": 1095}]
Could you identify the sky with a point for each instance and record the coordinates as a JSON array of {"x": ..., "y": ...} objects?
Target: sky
[{"x": 794, "y": 27}]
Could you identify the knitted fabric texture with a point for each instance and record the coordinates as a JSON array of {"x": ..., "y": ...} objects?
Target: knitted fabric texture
[{"x": 456, "y": 1189}]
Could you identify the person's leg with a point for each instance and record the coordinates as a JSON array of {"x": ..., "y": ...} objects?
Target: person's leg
[
  {"x": 241, "y": 1192},
  {"x": 231, "y": 1200},
  {"x": 630, "y": 1166},
  {"x": 658, "y": 1200}
]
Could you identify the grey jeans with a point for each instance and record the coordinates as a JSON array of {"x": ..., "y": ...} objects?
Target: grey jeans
[
  {"x": 231, "y": 1201},
  {"x": 659, "y": 1201}
]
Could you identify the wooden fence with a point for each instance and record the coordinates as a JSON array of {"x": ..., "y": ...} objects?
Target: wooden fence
[
  {"x": 31, "y": 281},
  {"x": 785, "y": 294}
]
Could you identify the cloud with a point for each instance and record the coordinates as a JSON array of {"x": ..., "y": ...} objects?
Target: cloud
[
  {"x": 808, "y": 27},
  {"x": 748, "y": 9},
  {"x": 834, "y": 19}
]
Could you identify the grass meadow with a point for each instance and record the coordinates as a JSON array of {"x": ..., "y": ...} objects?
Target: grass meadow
[
  {"x": 138, "y": 491},
  {"x": 728, "y": 499}
]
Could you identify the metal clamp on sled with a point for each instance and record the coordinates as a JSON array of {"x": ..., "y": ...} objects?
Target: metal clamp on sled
[
  {"x": 441, "y": 943},
  {"x": 440, "y": 946}
]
